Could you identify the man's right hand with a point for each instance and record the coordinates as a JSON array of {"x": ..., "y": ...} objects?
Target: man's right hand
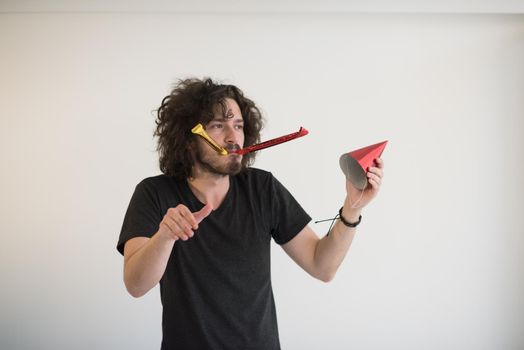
[
  {"x": 145, "y": 259},
  {"x": 180, "y": 223}
]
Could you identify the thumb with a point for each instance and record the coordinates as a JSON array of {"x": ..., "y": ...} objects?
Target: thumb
[{"x": 203, "y": 213}]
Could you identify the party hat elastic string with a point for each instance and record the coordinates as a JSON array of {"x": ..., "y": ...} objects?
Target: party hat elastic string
[{"x": 332, "y": 222}]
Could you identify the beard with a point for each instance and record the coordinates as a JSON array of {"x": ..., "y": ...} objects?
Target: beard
[{"x": 214, "y": 164}]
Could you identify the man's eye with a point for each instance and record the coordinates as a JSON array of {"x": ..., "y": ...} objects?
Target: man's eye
[{"x": 216, "y": 126}]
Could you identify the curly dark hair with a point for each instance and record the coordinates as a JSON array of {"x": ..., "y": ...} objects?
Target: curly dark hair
[{"x": 189, "y": 103}]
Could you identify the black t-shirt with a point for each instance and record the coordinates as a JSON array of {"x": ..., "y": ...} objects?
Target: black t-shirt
[{"x": 216, "y": 290}]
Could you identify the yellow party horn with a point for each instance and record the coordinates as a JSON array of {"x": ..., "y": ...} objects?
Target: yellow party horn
[{"x": 199, "y": 130}]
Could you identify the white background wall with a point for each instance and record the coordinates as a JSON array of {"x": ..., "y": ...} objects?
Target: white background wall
[{"x": 438, "y": 260}]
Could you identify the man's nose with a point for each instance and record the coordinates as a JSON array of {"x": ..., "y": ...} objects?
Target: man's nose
[{"x": 232, "y": 136}]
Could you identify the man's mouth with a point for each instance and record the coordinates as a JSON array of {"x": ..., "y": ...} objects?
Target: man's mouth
[{"x": 232, "y": 150}]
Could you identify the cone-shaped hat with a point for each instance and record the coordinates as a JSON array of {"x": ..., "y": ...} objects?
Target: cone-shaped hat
[{"x": 355, "y": 163}]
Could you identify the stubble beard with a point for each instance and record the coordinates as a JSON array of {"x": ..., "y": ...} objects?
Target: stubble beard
[{"x": 232, "y": 167}]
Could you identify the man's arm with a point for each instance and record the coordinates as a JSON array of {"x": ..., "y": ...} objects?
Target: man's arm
[
  {"x": 145, "y": 259},
  {"x": 321, "y": 258}
]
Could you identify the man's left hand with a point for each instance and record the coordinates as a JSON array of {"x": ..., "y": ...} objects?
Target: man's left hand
[{"x": 375, "y": 174}]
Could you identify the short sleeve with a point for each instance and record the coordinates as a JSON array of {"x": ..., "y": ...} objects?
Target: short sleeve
[
  {"x": 143, "y": 215},
  {"x": 288, "y": 217}
]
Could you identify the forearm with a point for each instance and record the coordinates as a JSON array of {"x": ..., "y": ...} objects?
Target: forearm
[
  {"x": 332, "y": 249},
  {"x": 144, "y": 269}
]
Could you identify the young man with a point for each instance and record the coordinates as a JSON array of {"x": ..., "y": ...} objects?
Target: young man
[{"x": 203, "y": 229}]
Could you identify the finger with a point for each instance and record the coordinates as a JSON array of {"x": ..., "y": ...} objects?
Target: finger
[
  {"x": 203, "y": 213},
  {"x": 379, "y": 162},
  {"x": 374, "y": 184},
  {"x": 184, "y": 228},
  {"x": 180, "y": 229},
  {"x": 184, "y": 234},
  {"x": 377, "y": 171},
  {"x": 182, "y": 222},
  {"x": 188, "y": 216},
  {"x": 374, "y": 177},
  {"x": 171, "y": 227}
]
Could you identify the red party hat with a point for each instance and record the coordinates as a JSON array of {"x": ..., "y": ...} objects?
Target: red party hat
[{"x": 356, "y": 163}]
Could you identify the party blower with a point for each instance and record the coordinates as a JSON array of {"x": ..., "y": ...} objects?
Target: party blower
[
  {"x": 199, "y": 130},
  {"x": 355, "y": 163}
]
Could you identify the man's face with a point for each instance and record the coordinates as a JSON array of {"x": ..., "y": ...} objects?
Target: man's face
[{"x": 227, "y": 129}]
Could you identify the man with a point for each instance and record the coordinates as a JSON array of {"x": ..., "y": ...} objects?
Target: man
[{"x": 203, "y": 229}]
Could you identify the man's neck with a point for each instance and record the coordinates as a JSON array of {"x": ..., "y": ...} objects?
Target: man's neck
[{"x": 209, "y": 188}]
